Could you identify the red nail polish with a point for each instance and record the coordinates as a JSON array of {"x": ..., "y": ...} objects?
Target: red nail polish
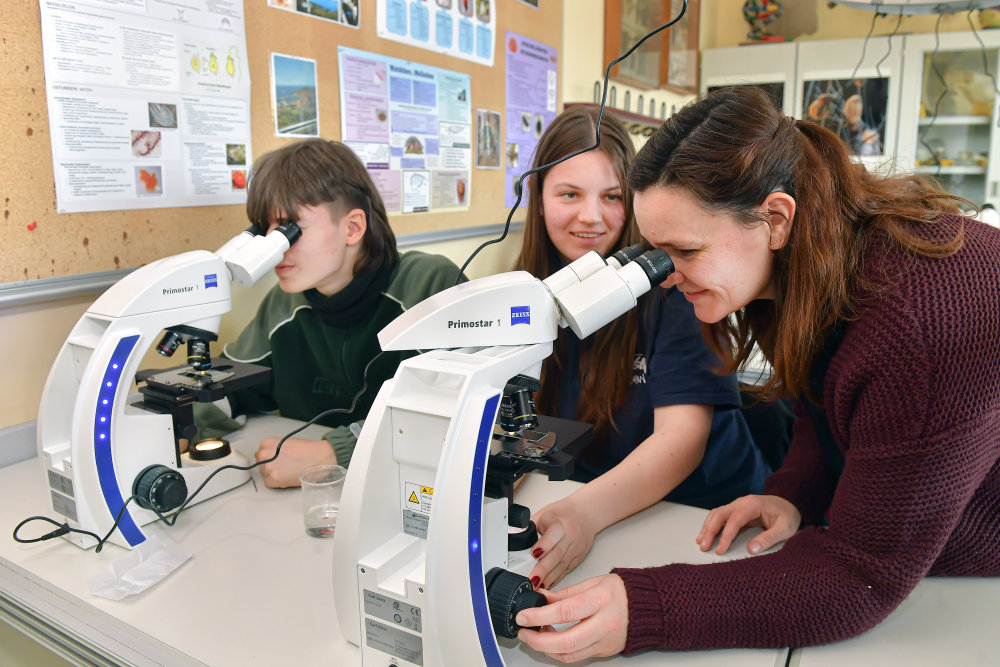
[
  {"x": 537, "y": 553},
  {"x": 535, "y": 581}
]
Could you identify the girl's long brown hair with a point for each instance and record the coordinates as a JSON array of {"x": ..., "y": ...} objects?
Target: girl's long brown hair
[
  {"x": 607, "y": 356},
  {"x": 733, "y": 148}
]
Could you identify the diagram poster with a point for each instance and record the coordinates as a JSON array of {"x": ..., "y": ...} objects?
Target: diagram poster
[
  {"x": 149, "y": 103},
  {"x": 531, "y": 105},
  {"x": 458, "y": 28},
  {"x": 411, "y": 125}
]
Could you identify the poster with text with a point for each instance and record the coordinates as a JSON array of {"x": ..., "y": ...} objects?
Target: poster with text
[
  {"x": 531, "y": 105},
  {"x": 149, "y": 103},
  {"x": 411, "y": 125},
  {"x": 458, "y": 28}
]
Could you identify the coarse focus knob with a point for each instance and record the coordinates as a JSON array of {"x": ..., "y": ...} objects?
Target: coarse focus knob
[
  {"x": 159, "y": 487},
  {"x": 506, "y": 594},
  {"x": 518, "y": 516}
]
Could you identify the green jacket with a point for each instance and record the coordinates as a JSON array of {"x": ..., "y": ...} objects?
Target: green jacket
[{"x": 317, "y": 366}]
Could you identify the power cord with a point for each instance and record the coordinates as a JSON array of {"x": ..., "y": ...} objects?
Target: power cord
[
  {"x": 65, "y": 528},
  {"x": 518, "y": 187}
]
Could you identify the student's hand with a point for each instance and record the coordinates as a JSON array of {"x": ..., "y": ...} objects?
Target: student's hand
[
  {"x": 601, "y": 606},
  {"x": 566, "y": 537},
  {"x": 296, "y": 455},
  {"x": 779, "y": 518}
]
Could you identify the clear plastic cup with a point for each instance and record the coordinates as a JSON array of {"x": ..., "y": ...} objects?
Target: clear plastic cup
[{"x": 321, "y": 489}]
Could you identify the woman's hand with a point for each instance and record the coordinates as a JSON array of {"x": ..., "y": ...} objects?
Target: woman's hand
[
  {"x": 779, "y": 518},
  {"x": 297, "y": 454},
  {"x": 566, "y": 537},
  {"x": 601, "y": 607}
]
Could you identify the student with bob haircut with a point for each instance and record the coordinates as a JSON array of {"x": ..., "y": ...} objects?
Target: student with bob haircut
[
  {"x": 665, "y": 423},
  {"x": 338, "y": 286},
  {"x": 879, "y": 309}
]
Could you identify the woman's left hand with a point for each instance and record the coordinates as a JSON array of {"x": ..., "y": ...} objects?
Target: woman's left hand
[{"x": 599, "y": 604}]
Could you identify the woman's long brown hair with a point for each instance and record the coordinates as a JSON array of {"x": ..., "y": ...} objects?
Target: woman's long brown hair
[
  {"x": 733, "y": 148},
  {"x": 608, "y": 355}
]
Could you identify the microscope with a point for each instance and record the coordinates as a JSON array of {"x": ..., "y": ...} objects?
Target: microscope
[
  {"x": 99, "y": 446},
  {"x": 421, "y": 548}
]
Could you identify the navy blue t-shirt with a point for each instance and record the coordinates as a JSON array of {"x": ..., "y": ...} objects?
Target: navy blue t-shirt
[{"x": 673, "y": 366}]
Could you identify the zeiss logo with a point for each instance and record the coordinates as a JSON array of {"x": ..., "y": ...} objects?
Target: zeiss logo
[
  {"x": 211, "y": 280},
  {"x": 520, "y": 315}
]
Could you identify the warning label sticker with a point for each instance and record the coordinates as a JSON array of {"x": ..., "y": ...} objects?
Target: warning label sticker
[{"x": 418, "y": 498}]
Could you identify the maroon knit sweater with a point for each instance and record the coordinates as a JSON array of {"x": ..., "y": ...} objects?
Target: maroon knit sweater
[{"x": 913, "y": 399}]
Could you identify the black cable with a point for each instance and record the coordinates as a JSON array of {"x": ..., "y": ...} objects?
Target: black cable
[
  {"x": 277, "y": 449},
  {"x": 895, "y": 31},
  {"x": 64, "y": 528},
  {"x": 864, "y": 47},
  {"x": 518, "y": 187},
  {"x": 982, "y": 51},
  {"x": 922, "y": 138}
]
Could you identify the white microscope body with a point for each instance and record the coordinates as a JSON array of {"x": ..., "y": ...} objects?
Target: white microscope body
[
  {"x": 92, "y": 443},
  {"x": 415, "y": 536}
]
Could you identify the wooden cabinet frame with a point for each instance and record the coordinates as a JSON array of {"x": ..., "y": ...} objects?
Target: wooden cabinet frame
[{"x": 671, "y": 44}]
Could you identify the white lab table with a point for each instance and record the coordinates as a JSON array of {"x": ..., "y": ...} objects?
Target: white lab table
[
  {"x": 944, "y": 621},
  {"x": 257, "y": 590}
]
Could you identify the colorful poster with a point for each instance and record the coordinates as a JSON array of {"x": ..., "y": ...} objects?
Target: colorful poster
[
  {"x": 293, "y": 96},
  {"x": 532, "y": 96},
  {"x": 344, "y": 12},
  {"x": 149, "y": 107},
  {"x": 411, "y": 125},
  {"x": 458, "y": 28}
]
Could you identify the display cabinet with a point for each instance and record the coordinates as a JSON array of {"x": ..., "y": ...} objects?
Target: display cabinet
[
  {"x": 948, "y": 113},
  {"x": 920, "y": 103}
]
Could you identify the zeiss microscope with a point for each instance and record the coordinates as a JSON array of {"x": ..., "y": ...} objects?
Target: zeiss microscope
[
  {"x": 420, "y": 550},
  {"x": 100, "y": 447}
]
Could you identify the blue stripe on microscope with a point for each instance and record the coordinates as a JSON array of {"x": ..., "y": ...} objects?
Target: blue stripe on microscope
[
  {"x": 102, "y": 440},
  {"x": 477, "y": 582}
]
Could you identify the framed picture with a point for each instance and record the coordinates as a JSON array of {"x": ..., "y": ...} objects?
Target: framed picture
[{"x": 668, "y": 60}]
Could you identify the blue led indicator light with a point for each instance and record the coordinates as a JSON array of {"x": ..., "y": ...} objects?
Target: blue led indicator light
[
  {"x": 474, "y": 545},
  {"x": 107, "y": 477}
]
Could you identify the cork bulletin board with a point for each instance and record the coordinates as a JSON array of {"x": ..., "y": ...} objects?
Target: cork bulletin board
[{"x": 40, "y": 243}]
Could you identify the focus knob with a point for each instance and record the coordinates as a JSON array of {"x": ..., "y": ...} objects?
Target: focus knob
[
  {"x": 506, "y": 594},
  {"x": 159, "y": 488}
]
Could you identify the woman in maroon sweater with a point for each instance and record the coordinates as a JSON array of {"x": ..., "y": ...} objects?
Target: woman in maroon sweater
[{"x": 879, "y": 309}]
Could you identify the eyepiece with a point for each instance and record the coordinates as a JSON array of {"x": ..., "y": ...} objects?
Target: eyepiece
[
  {"x": 656, "y": 265},
  {"x": 291, "y": 231},
  {"x": 626, "y": 255}
]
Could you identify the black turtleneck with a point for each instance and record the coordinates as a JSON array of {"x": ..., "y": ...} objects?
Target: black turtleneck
[{"x": 358, "y": 296}]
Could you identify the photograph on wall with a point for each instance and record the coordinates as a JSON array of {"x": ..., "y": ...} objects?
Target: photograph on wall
[
  {"x": 487, "y": 139},
  {"x": 345, "y": 12},
  {"x": 293, "y": 96},
  {"x": 853, "y": 109}
]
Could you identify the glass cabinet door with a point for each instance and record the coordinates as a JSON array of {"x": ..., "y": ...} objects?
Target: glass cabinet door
[{"x": 951, "y": 112}]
